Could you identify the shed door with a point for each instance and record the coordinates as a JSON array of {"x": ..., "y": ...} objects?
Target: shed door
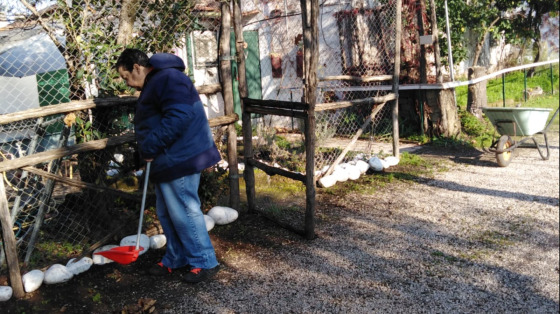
[
  {"x": 253, "y": 64},
  {"x": 252, "y": 69}
]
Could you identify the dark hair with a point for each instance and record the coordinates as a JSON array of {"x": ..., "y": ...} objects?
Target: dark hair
[{"x": 129, "y": 57}]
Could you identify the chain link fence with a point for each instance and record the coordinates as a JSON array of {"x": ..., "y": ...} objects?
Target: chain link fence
[
  {"x": 356, "y": 57},
  {"x": 63, "y": 54},
  {"x": 355, "y": 66}
]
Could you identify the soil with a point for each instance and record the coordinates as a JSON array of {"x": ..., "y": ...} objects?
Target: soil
[{"x": 467, "y": 237}]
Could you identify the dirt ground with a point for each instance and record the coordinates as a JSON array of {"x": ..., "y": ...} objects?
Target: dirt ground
[{"x": 469, "y": 237}]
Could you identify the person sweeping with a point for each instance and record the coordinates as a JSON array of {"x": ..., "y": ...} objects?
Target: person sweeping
[{"x": 173, "y": 134}]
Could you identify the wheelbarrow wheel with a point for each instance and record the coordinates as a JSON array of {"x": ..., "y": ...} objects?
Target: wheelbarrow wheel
[{"x": 504, "y": 158}]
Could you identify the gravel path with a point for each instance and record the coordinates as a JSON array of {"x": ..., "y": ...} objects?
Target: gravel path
[{"x": 474, "y": 238}]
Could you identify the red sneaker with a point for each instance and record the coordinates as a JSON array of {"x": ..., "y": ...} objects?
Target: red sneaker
[
  {"x": 200, "y": 274},
  {"x": 159, "y": 270}
]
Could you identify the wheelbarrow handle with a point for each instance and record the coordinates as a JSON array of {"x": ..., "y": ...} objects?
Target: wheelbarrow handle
[
  {"x": 143, "y": 205},
  {"x": 552, "y": 119}
]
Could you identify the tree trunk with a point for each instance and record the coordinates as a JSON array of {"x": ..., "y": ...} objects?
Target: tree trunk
[
  {"x": 441, "y": 113},
  {"x": 480, "y": 43},
  {"x": 537, "y": 47},
  {"x": 126, "y": 21},
  {"x": 421, "y": 8},
  {"x": 476, "y": 98}
]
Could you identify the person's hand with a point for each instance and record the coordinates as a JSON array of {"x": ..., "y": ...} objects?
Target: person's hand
[{"x": 148, "y": 160}]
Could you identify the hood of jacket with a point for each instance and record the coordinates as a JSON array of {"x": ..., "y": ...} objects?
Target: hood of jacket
[{"x": 160, "y": 61}]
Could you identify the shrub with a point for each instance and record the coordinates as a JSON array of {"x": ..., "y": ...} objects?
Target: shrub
[{"x": 472, "y": 125}]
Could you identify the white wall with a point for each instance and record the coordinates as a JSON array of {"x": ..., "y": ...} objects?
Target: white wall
[{"x": 18, "y": 94}]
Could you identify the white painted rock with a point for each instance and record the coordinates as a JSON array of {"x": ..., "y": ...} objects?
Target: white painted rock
[
  {"x": 32, "y": 280},
  {"x": 223, "y": 215},
  {"x": 359, "y": 156},
  {"x": 341, "y": 175},
  {"x": 392, "y": 161},
  {"x": 327, "y": 181},
  {"x": 158, "y": 241},
  {"x": 362, "y": 165},
  {"x": 384, "y": 163},
  {"x": 210, "y": 223},
  {"x": 100, "y": 259},
  {"x": 79, "y": 266},
  {"x": 119, "y": 157},
  {"x": 131, "y": 241},
  {"x": 112, "y": 172},
  {"x": 353, "y": 172},
  {"x": 375, "y": 164},
  {"x": 223, "y": 164},
  {"x": 57, "y": 273},
  {"x": 5, "y": 293}
]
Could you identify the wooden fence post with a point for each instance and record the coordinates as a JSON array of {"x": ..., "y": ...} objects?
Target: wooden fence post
[
  {"x": 396, "y": 75},
  {"x": 227, "y": 92},
  {"x": 10, "y": 245},
  {"x": 240, "y": 51},
  {"x": 310, "y": 14}
]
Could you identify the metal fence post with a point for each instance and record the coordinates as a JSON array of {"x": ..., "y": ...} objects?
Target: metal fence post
[
  {"x": 525, "y": 84},
  {"x": 551, "y": 80},
  {"x": 504, "y": 89}
]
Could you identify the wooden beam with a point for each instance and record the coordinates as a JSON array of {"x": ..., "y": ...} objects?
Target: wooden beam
[
  {"x": 65, "y": 108},
  {"x": 80, "y": 184},
  {"x": 276, "y": 111},
  {"x": 209, "y": 89},
  {"x": 223, "y": 120},
  {"x": 79, "y": 105},
  {"x": 49, "y": 155},
  {"x": 354, "y": 138},
  {"x": 361, "y": 79},
  {"x": 276, "y": 104},
  {"x": 276, "y": 171},
  {"x": 356, "y": 102}
]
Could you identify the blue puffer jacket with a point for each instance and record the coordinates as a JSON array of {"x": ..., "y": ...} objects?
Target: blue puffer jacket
[{"x": 170, "y": 123}]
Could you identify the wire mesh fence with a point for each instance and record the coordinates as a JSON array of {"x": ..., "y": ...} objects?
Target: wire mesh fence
[
  {"x": 355, "y": 70},
  {"x": 356, "y": 57},
  {"x": 65, "y": 53}
]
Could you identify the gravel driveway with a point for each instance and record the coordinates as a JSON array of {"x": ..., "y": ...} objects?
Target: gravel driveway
[
  {"x": 470, "y": 237},
  {"x": 474, "y": 238}
]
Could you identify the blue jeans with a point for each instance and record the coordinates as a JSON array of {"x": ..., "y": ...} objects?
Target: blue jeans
[{"x": 178, "y": 210}]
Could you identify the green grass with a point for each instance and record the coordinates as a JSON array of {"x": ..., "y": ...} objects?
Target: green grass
[{"x": 514, "y": 89}]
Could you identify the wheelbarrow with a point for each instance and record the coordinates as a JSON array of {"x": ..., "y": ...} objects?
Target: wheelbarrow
[{"x": 518, "y": 122}]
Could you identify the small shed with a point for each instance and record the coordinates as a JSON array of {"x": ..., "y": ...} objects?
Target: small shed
[{"x": 32, "y": 74}]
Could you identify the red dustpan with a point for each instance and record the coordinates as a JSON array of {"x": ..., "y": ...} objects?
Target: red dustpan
[
  {"x": 128, "y": 254},
  {"x": 122, "y": 254}
]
